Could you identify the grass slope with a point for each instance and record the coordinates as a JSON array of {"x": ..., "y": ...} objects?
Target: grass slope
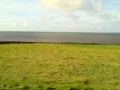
[{"x": 45, "y": 66}]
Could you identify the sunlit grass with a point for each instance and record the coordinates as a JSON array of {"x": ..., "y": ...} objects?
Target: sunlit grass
[{"x": 59, "y": 66}]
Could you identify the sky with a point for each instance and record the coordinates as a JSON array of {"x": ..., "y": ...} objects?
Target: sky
[{"x": 60, "y": 15}]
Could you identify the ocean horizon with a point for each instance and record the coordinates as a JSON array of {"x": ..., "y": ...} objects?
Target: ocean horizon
[{"x": 69, "y": 37}]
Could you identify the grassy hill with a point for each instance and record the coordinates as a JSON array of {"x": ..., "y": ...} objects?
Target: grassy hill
[{"x": 47, "y": 66}]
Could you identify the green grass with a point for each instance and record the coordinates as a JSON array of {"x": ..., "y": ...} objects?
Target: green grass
[{"x": 47, "y": 66}]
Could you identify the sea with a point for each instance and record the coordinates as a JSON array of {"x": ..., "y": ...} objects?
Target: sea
[{"x": 67, "y": 37}]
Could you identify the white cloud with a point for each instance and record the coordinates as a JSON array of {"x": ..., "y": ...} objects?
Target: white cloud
[
  {"x": 63, "y": 4},
  {"x": 100, "y": 7},
  {"x": 79, "y": 15},
  {"x": 107, "y": 26},
  {"x": 102, "y": 14},
  {"x": 70, "y": 6},
  {"x": 69, "y": 27},
  {"x": 108, "y": 16},
  {"x": 13, "y": 25},
  {"x": 47, "y": 18},
  {"x": 24, "y": 24},
  {"x": 67, "y": 13},
  {"x": 71, "y": 15}
]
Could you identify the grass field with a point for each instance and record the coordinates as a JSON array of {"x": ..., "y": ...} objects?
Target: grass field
[{"x": 47, "y": 66}]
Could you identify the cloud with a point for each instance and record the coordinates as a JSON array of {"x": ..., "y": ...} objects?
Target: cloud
[
  {"x": 73, "y": 9},
  {"x": 111, "y": 26},
  {"x": 13, "y": 25},
  {"x": 69, "y": 4},
  {"x": 24, "y": 24},
  {"x": 69, "y": 26},
  {"x": 108, "y": 16},
  {"x": 102, "y": 13},
  {"x": 71, "y": 15},
  {"x": 100, "y": 7},
  {"x": 63, "y": 4},
  {"x": 47, "y": 18}
]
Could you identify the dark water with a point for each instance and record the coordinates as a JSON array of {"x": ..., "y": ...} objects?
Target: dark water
[{"x": 105, "y": 38}]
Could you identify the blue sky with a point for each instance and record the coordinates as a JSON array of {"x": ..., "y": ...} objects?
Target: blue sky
[{"x": 60, "y": 15}]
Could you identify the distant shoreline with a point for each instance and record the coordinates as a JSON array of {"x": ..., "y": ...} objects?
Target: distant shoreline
[{"x": 19, "y": 42}]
